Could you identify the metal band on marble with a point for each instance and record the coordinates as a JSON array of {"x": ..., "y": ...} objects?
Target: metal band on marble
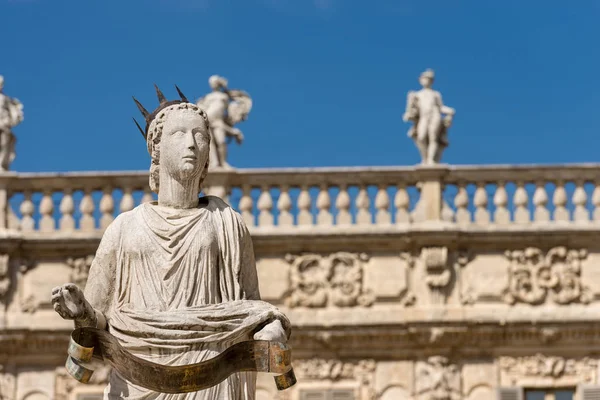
[{"x": 259, "y": 356}]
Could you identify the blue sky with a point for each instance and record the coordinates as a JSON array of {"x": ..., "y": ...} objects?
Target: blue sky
[{"x": 328, "y": 77}]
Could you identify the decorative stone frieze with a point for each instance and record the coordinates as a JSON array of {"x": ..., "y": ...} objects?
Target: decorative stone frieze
[
  {"x": 65, "y": 384},
  {"x": 334, "y": 280},
  {"x": 543, "y": 369},
  {"x": 4, "y": 274},
  {"x": 437, "y": 379},
  {"x": 333, "y": 369},
  {"x": 535, "y": 277},
  {"x": 81, "y": 268},
  {"x": 7, "y": 384}
]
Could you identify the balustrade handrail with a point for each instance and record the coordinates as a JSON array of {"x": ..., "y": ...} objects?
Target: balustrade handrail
[{"x": 21, "y": 181}]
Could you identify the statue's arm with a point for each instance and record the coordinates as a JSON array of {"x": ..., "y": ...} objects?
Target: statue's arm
[
  {"x": 100, "y": 285},
  {"x": 443, "y": 108}
]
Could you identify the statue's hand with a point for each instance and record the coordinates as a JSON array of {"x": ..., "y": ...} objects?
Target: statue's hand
[
  {"x": 239, "y": 136},
  {"x": 273, "y": 332},
  {"x": 68, "y": 301}
]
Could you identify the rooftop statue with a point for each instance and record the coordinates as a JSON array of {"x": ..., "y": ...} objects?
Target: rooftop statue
[
  {"x": 431, "y": 119},
  {"x": 172, "y": 299},
  {"x": 11, "y": 114},
  {"x": 225, "y": 108}
]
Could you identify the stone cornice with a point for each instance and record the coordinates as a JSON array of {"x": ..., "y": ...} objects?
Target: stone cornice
[
  {"x": 361, "y": 238},
  {"x": 381, "y": 341}
]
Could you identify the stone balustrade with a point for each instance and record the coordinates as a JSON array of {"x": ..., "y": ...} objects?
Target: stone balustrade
[{"x": 466, "y": 196}]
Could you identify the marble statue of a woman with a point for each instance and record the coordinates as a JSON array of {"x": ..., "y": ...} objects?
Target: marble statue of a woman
[{"x": 175, "y": 280}]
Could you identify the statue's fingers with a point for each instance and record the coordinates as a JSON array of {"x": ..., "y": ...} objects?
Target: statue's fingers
[
  {"x": 56, "y": 289},
  {"x": 55, "y": 297},
  {"x": 59, "y": 309},
  {"x": 71, "y": 287}
]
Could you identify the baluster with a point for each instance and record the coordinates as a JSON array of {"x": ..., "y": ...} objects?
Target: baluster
[
  {"x": 47, "y": 223},
  {"x": 521, "y": 202},
  {"x": 461, "y": 202},
  {"x": 363, "y": 216},
  {"x": 342, "y": 203},
  {"x": 284, "y": 205},
  {"x": 246, "y": 205},
  {"x": 27, "y": 209},
  {"x": 560, "y": 203},
  {"x": 324, "y": 216},
  {"x": 87, "y": 223},
  {"x": 265, "y": 207},
  {"x": 402, "y": 204},
  {"x": 480, "y": 200},
  {"x": 107, "y": 207},
  {"x": 67, "y": 207},
  {"x": 596, "y": 202},
  {"x": 147, "y": 197},
  {"x": 127, "y": 202},
  {"x": 581, "y": 213},
  {"x": 382, "y": 204},
  {"x": 219, "y": 191},
  {"x": 304, "y": 202},
  {"x": 501, "y": 214},
  {"x": 540, "y": 201}
]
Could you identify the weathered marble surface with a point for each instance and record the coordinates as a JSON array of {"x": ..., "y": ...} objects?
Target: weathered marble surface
[{"x": 11, "y": 114}]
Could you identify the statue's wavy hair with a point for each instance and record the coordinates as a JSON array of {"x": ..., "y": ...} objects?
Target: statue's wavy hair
[{"x": 153, "y": 141}]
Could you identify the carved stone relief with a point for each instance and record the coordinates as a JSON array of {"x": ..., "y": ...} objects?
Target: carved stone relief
[
  {"x": 81, "y": 268},
  {"x": 332, "y": 370},
  {"x": 4, "y": 275},
  {"x": 27, "y": 302},
  {"x": 437, "y": 379},
  {"x": 441, "y": 268},
  {"x": 7, "y": 384},
  {"x": 334, "y": 280},
  {"x": 535, "y": 277},
  {"x": 409, "y": 298},
  {"x": 518, "y": 369}
]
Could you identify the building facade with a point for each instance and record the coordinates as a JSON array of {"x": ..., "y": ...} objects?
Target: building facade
[{"x": 407, "y": 283}]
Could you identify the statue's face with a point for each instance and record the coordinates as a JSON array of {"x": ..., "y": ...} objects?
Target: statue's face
[
  {"x": 426, "y": 81},
  {"x": 184, "y": 145}
]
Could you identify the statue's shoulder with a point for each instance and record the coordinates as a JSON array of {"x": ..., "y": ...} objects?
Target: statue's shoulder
[
  {"x": 123, "y": 220},
  {"x": 214, "y": 203},
  {"x": 217, "y": 204}
]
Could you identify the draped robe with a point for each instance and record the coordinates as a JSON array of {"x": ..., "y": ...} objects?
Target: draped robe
[{"x": 178, "y": 287}]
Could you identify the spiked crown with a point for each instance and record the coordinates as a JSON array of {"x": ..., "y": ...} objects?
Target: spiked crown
[{"x": 163, "y": 103}]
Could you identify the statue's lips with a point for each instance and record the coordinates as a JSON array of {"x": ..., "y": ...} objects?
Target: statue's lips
[{"x": 190, "y": 158}]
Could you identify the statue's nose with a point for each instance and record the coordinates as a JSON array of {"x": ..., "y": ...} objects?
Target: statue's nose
[{"x": 189, "y": 141}]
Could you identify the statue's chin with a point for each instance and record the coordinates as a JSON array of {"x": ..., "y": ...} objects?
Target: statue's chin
[{"x": 189, "y": 171}]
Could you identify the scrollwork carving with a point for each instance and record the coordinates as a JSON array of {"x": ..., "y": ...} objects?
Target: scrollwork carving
[
  {"x": 81, "y": 268},
  {"x": 318, "y": 281},
  {"x": 535, "y": 277},
  {"x": 541, "y": 365}
]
